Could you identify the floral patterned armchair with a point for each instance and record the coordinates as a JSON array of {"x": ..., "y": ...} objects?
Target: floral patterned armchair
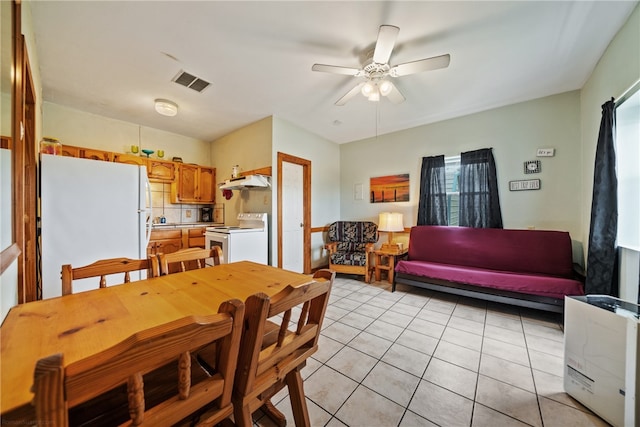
[{"x": 350, "y": 246}]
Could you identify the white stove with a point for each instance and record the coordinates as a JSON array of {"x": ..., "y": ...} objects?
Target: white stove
[{"x": 248, "y": 241}]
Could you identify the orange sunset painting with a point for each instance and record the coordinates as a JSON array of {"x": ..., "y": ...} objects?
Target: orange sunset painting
[{"x": 392, "y": 188}]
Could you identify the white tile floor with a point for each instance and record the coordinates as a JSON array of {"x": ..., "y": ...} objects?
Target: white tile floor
[{"x": 419, "y": 358}]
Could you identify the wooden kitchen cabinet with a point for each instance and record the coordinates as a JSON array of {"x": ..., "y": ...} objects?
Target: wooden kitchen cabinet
[
  {"x": 195, "y": 237},
  {"x": 175, "y": 239},
  {"x": 161, "y": 170},
  {"x": 89, "y": 153},
  {"x": 207, "y": 185},
  {"x": 70, "y": 151},
  {"x": 157, "y": 170},
  {"x": 195, "y": 184},
  {"x": 164, "y": 241},
  {"x": 130, "y": 159}
]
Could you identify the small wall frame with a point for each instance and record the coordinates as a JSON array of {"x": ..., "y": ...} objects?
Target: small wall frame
[{"x": 524, "y": 185}]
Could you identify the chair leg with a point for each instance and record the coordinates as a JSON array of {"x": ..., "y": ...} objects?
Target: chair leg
[
  {"x": 296, "y": 395},
  {"x": 367, "y": 276},
  {"x": 242, "y": 415},
  {"x": 274, "y": 414}
]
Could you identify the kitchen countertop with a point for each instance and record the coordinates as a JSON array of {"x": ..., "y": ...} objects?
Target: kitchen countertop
[{"x": 185, "y": 225}]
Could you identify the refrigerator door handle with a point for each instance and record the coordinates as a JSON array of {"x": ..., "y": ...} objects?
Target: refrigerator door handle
[{"x": 149, "y": 211}]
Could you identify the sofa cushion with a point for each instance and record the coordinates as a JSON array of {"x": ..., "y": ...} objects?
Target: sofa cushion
[
  {"x": 534, "y": 284},
  {"x": 518, "y": 251}
]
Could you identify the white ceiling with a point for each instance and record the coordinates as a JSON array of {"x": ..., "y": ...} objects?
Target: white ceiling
[{"x": 115, "y": 58}]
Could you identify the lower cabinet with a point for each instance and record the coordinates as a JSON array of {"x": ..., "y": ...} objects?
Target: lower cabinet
[
  {"x": 172, "y": 240},
  {"x": 196, "y": 237},
  {"x": 165, "y": 242}
]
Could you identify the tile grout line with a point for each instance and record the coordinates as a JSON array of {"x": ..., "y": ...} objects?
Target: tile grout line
[{"x": 366, "y": 298}]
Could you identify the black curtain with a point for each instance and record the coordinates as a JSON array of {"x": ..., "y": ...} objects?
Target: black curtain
[
  {"x": 601, "y": 258},
  {"x": 432, "y": 208},
  {"x": 479, "y": 202}
]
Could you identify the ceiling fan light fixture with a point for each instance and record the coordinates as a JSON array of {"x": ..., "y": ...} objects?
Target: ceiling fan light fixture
[
  {"x": 368, "y": 89},
  {"x": 385, "y": 87},
  {"x": 166, "y": 107},
  {"x": 375, "y": 96}
]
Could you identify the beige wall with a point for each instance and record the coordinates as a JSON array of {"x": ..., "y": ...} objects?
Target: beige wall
[
  {"x": 249, "y": 148},
  {"x": 514, "y": 132},
  {"x": 256, "y": 146},
  {"x": 617, "y": 70},
  {"x": 325, "y": 179},
  {"x": 74, "y": 127}
]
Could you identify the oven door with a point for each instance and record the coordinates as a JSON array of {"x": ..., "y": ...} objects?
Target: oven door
[{"x": 218, "y": 239}]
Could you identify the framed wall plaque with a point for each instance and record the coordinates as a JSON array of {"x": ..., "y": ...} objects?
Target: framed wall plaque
[{"x": 524, "y": 184}]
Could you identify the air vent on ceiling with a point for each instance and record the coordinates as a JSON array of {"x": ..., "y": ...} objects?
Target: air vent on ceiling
[{"x": 192, "y": 82}]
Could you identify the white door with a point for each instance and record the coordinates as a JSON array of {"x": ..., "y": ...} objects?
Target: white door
[{"x": 292, "y": 217}]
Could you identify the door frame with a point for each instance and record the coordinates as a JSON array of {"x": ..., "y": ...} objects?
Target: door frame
[{"x": 306, "y": 207}]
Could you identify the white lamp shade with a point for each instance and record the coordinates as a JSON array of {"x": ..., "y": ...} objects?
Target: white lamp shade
[
  {"x": 166, "y": 107},
  {"x": 375, "y": 95},
  {"x": 368, "y": 89},
  {"x": 385, "y": 87},
  {"x": 390, "y": 221}
]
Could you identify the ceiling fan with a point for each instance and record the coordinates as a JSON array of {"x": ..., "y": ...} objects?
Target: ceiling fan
[{"x": 376, "y": 69}]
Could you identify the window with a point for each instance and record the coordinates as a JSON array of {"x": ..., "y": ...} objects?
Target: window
[
  {"x": 628, "y": 172},
  {"x": 452, "y": 182}
]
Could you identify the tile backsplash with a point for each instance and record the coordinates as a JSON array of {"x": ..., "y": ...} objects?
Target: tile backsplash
[{"x": 173, "y": 212}]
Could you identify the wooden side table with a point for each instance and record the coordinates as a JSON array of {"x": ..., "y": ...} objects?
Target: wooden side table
[{"x": 386, "y": 260}]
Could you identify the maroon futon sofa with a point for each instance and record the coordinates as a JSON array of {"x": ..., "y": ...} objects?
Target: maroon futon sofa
[{"x": 529, "y": 268}]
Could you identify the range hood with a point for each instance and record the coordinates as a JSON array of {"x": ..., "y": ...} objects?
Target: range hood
[{"x": 246, "y": 183}]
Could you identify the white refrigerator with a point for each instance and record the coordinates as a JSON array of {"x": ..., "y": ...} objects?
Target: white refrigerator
[{"x": 90, "y": 210}]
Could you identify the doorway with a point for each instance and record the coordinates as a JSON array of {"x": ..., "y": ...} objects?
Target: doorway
[{"x": 294, "y": 213}]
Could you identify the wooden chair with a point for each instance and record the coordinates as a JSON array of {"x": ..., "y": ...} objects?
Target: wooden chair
[
  {"x": 187, "y": 259},
  {"x": 350, "y": 246},
  {"x": 103, "y": 268},
  {"x": 271, "y": 355},
  {"x": 58, "y": 388}
]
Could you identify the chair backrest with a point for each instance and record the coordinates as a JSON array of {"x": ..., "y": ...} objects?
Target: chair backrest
[
  {"x": 58, "y": 388},
  {"x": 353, "y": 235},
  {"x": 188, "y": 259},
  {"x": 270, "y": 350},
  {"x": 102, "y": 269}
]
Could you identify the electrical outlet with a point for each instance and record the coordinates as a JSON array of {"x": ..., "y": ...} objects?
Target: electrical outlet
[
  {"x": 545, "y": 152},
  {"x": 188, "y": 213}
]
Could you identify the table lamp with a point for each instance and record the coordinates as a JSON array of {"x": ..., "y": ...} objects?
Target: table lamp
[{"x": 390, "y": 222}]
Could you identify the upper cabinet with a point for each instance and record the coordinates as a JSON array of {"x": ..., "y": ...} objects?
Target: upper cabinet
[
  {"x": 161, "y": 170},
  {"x": 87, "y": 153},
  {"x": 190, "y": 183},
  {"x": 157, "y": 170},
  {"x": 195, "y": 184},
  {"x": 130, "y": 159}
]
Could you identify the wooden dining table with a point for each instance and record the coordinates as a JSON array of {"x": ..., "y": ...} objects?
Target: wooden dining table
[{"x": 83, "y": 324}]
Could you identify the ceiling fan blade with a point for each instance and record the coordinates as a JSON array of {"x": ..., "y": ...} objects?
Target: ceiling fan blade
[
  {"x": 350, "y": 94},
  {"x": 334, "y": 69},
  {"x": 395, "y": 96},
  {"x": 386, "y": 40},
  {"x": 428, "y": 64}
]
